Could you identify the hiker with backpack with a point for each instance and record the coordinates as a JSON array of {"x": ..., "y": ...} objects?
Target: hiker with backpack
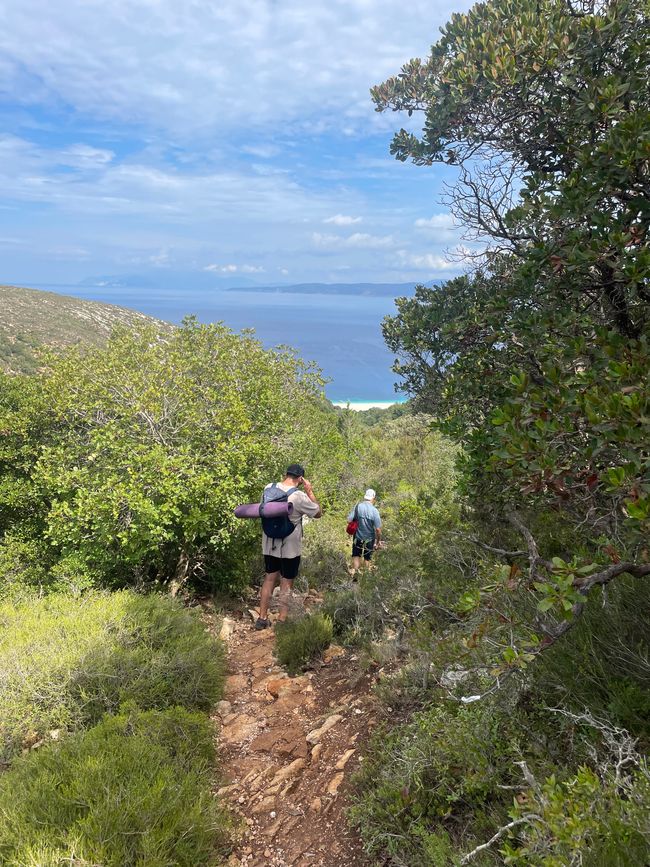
[
  {"x": 282, "y": 537},
  {"x": 367, "y": 532}
]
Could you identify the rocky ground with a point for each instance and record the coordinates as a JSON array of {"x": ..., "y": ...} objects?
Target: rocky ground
[{"x": 288, "y": 747}]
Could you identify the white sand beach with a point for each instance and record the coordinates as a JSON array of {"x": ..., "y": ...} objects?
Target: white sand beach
[{"x": 360, "y": 405}]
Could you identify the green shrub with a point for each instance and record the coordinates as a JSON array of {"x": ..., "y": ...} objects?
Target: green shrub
[
  {"x": 22, "y": 570},
  {"x": 65, "y": 662},
  {"x": 299, "y": 641},
  {"x": 326, "y": 552},
  {"x": 434, "y": 777},
  {"x": 133, "y": 455},
  {"x": 133, "y": 790},
  {"x": 602, "y": 663},
  {"x": 586, "y": 820},
  {"x": 356, "y": 614}
]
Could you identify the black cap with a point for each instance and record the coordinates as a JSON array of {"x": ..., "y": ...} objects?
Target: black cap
[{"x": 295, "y": 470}]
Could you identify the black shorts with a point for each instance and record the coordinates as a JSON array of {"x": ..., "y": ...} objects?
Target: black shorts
[
  {"x": 286, "y": 566},
  {"x": 362, "y": 548}
]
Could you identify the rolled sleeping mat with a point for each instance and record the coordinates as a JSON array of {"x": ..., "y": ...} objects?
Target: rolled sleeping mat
[{"x": 271, "y": 510}]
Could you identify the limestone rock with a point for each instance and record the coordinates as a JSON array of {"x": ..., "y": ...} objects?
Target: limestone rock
[
  {"x": 345, "y": 758},
  {"x": 273, "y": 829},
  {"x": 332, "y": 652},
  {"x": 314, "y": 736},
  {"x": 227, "y": 628},
  {"x": 316, "y": 805},
  {"x": 223, "y": 708},
  {"x": 239, "y": 729},
  {"x": 335, "y": 782},
  {"x": 264, "y": 806},
  {"x": 261, "y": 778},
  {"x": 284, "y": 743},
  {"x": 289, "y": 771},
  {"x": 277, "y": 685},
  {"x": 235, "y": 684}
]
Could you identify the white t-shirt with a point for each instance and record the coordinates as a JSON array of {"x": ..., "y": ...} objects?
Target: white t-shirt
[{"x": 291, "y": 546}]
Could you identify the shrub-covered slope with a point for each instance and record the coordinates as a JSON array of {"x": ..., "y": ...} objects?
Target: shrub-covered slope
[
  {"x": 65, "y": 662},
  {"x": 31, "y": 320}
]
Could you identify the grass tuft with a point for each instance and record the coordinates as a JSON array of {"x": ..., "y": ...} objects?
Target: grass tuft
[
  {"x": 133, "y": 790},
  {"x": 65, "y": 662},
  {"x": 299, "y": 641}
]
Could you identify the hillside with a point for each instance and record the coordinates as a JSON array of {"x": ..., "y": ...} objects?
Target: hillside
[{"x": 30, "y": 319}]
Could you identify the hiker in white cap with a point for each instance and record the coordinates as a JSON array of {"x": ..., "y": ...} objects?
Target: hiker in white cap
[{"x": 368, "y": 533}]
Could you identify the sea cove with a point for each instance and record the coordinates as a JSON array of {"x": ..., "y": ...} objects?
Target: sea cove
[{"x": 341, "y": 333}]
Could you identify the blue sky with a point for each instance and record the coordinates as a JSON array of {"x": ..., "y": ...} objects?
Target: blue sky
[{"x": 231, "y": 141}]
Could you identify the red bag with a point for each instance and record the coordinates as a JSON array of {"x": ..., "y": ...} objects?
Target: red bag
[{"x": 353, "y": 525}]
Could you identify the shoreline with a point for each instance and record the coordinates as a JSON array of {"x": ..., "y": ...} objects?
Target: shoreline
[{"x": 362, "y": 405}]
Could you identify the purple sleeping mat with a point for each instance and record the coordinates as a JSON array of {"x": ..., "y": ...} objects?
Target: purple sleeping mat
[{"x": 271, "y": 510}]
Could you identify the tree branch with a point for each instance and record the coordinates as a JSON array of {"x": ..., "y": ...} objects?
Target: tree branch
[
  {"x": 504, "y": 830},
  {"x": 637, "y": 570},
  {"x": 533, "y": 552}
]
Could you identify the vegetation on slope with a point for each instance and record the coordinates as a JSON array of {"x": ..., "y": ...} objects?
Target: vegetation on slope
[
  {"x": 104, "y": 732},
  {"x": 508, "y": 609},
  {"x": 133, "y": 790},
  {"x": 32, "y": 321},
  {"x": 523, "y": 678},
  {"x": 123, "y": 464},
  {"x": 67, "y": 661}
]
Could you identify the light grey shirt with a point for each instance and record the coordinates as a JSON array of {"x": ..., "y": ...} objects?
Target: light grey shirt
[
  {"x": 292, "y": 545},
  {"x": 369, "y": 520}
]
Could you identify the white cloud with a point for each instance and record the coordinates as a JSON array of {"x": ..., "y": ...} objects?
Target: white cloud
[
  {"x": 31, "y": 173},
  {"x": 341, "y": 220},
  {"x": 235, "y": 269},
  {"x": 438, "y": 221},
  {"x": 427, "y": 262},
  {"x": 206, "y": 67},
  {"x": 263, "y": 152},
  {"x": 360, "y": 240},
  {"x": 161, "y": 259}
]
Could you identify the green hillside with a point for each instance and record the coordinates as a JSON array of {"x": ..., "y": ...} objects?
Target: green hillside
[{"x": 30, "y": 319}]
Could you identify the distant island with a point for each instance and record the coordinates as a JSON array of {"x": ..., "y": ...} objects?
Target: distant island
[
  {"x": 383, "y": 290},
  {"x": 172, "y": 280}
]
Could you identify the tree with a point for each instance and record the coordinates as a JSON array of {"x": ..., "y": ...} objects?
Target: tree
[
  {"x": 538, "y": 359},
  {"x": 136, "y": 454}
]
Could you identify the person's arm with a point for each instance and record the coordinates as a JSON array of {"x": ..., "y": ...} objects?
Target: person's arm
[
  {"x": 310, "y": 493},
  {"x": 377, "y": 528}
]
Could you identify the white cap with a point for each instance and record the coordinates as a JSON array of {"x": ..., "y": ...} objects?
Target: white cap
[{"x": 369, "y": 495}]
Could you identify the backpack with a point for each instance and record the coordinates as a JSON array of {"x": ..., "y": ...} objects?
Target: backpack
[
  {"x": 278, "y": 527},
  {"x": 353, "y": 525}
]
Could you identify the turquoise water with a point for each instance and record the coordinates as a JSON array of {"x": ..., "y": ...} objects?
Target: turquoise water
[{"x": 342, "y": 333}]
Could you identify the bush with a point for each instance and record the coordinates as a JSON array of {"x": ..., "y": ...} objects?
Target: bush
[
  {"x": 65, "y": 662},
  {"x": 326, "y": 552},
  {"x": 134, "y": 455},
  {"x": 602, "y": 663},
  {"x": 134, "y": 790},
  {"x": 433, "y": 778},
  {"x": 588, "y": 820},
  {"x": 299, "y": 641}
]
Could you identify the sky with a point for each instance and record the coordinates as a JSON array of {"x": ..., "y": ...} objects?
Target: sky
[{"x": 230, "y": 142}]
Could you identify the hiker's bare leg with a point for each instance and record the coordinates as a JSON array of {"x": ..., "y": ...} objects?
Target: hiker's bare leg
[
  {"x": 270, "y": 580},
  {"x": 356, "y": 564},
  {"x": 286, "y": 588}
]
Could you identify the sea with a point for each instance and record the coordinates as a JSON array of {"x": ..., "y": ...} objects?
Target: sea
[{"x": 341, "y": 333}]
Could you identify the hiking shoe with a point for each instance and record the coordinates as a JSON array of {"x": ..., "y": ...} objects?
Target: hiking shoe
[{"x": 260, "y": 623}]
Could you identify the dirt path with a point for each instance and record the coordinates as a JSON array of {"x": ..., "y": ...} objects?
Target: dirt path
[{"x": 287, "y": 748}]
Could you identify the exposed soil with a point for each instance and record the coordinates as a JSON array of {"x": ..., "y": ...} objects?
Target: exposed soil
[{"x": 288, "y": 747}]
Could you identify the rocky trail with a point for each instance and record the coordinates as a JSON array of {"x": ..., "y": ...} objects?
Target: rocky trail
[{"x": 288, "y": 747}]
